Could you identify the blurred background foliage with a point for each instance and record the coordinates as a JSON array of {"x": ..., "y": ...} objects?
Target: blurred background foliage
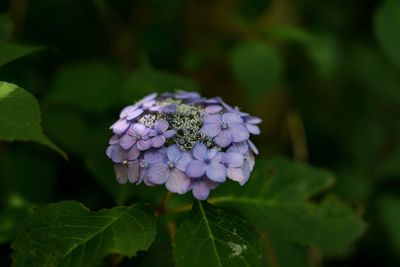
[{"x": 323, "y": 75}]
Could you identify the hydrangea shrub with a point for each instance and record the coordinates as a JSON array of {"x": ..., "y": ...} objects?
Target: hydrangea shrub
[{"x": 183, "y": 141}]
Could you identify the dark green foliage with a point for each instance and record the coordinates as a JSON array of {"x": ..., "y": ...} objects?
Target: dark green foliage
[
  {"x": 215, "y": 237},
  {"x": 323, "y": 75}
]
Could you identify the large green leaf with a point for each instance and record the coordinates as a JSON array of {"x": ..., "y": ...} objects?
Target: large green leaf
[
  {"x": 146, "y": 80},
  {"x": 387, "y": 28},
  {"x": 68, "y": 234},
  {"x": 257, "y": 67},
  {"x": 12, "y": 51},
  {"x": 20, "y": 116},
  {"x": 276, "y": 200},
  {"x": 215, "y": 237}
]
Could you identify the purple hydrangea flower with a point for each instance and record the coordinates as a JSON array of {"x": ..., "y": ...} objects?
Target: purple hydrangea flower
[
  {"x": 127, "y": 163},
  {"x": 206, "y": 162},
  {"x": 160, "y": 134},
  {"x": 225, "y": 128},
  {"x": 183, "y": 141},
  {"x": 171, "y": 170},
  {"x": 132, "y": 112},
  {"x": 248, "y": 164},
  {"x": 201, "y": 187}
]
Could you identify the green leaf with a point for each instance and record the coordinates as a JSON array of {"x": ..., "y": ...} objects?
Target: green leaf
[
  {"x": 276, "y": 200},
  {"x": 68, "y": 234},
  {"x": 12, "y": 51},
  {"x": 89, "y": 86},
  {"x": 257, "y": 67},
  {"x": 215, "y": 237},
  {"x": 387, "y": 29},
  {"x": 390, "y": 213},
  {"x": 20, "y": 117},
  {"x": 146, "y": 80}
]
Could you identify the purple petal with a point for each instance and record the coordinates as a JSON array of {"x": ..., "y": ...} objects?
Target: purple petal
[
  {"x": 200, "y": 191},
  {"x": 117, "y": 155},
  {"x": 210, "y": 129},
  {"x": 161, "y": 126},
  {"x": 153, "y": 156},
  {"x": 223, "y": 139},
  {"x": 133, "y": 171},
  {"x": 231, "y": 117},
  {"x": 216, "y": 172},
  {"x": 241, "y": 148},
  {"x": 120, "y": 126},
  {"x": 143, "y": 144},
  {"x": 252, "y": 120},
  {"x": 148, "y": 98},
  {"x": 132, "y": 153},
  {"x": 195, "y": 168},
  {"x": 127, "y": 141},
  {"x": 250, "y": 160},
  {"x": 168, "y": 109},
  {"x": 174, "y": 153},
  {"x": 140, "y": 129},
  {"x": 235, "y": 160},
  {"x": 158, "y": 173},
  {"x": 178, "y": 182},
  {"x": 213, "y": 109},
  {"x": 134, "y": 114},
  {"x": 252, "y": 147},
  {"x": 169, "y": 133},
  {"x": 253, "y": 129},
  {"x": 214, "y": 118},
  {"x": 239, "y": 132},
  {"x": 114, "y": 140},
  {"x": 109, "y": 151},
  {"x": 121, "y": 173},
  {"x": 158, "y": 141},
  {"x": 183, "y": 161},
  {"x": 237, "y": 174},
  {"x": 212, "y": 153},
  {"x": 199, "y": 151}
]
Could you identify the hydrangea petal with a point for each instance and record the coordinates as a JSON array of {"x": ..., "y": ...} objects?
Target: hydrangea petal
[
  {"x": 178, "y": 182},
  {"x": 214, "y": 118},
  {"x": 237, "y": 174},
  {"x": 133, "y": 171},
  {"x": 120, "y": 126},
  {"x": 224, "y": 138},
  {"x": 174, "y": 153},
  {"x": 195, "y": 168},
  {"x": 161, "y": 126},
  {"x": 144, "y": 144},
  {"x": 234, "y": 159},
  {"x": 169, "y": 133},
  {"x": 121, "y": 173},
  {"x": 231, "y": 117},
  {"x": 199, "y": 151},
  {"x": 158, "y": 173},
  {"x": 200, "y": 191},
  {"x": 183, "y": 161},
  {"x": 253, "y": 129},
  {"x": 127, "y": 141},
  {"x": 158, "y": 141},
  {"x": 210, "y": 129},
  {"x": 239, "y": 133},
  {"x": 213, "y": 109},
  {"x": 216, "y": 172}
]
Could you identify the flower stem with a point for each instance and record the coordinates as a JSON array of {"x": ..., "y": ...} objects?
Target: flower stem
[{"x": 161, "y": 209}]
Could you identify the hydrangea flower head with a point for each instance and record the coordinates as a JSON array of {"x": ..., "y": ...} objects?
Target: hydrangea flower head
[{"x": 183, "y": 141}]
